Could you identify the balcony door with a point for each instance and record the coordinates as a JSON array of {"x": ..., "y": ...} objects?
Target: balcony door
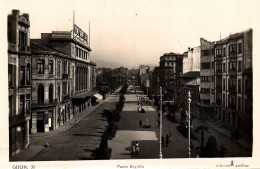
[{"x": 40, "y": 94}]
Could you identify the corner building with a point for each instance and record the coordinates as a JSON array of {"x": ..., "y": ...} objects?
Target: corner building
[
  {"x": 63, "y": 78},
  {"x": 233, "y": 74},
  {"x": 19, "y": 81}
]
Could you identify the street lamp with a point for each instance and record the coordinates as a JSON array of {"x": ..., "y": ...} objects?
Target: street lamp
[
  {"x": 160, "y": 153},
  {"x": 189, "y": 100}
]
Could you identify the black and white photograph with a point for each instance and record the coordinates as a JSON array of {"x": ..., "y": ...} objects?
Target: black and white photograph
[{"x": 129, "y": 84}]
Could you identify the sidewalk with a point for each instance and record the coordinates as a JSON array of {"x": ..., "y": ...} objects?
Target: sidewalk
[{"x": 28, "y": 154}]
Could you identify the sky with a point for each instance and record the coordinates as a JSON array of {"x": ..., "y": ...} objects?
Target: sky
[{"x": 139, "y": 31}]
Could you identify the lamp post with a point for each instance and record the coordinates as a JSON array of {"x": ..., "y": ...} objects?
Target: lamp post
[
  {"x": 160, "y": 153},
  {"x": 189, "y": 100}
]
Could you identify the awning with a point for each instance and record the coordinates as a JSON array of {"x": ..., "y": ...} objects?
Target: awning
[
  {"x": 98, "y": 96},
  {"x": 85, "y": 94}
]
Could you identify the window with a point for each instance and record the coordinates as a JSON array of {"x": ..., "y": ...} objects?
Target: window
[
  {"x": 218, "y": 98},
  {"x": 239, "y": 66},
  {"x": 22, "y": 104},
  {"x": 205, "y": 78},
  {"x": 10, "y": 77},
  {"x": 224, "y": 67},
  {"x": 232, "y": 66},
  {"x": 50, "y": 67},
  {"x": 58, "y": 69},
  {"x": 205, "y": 52},
  {"x": 232, "y": 101},
  {"x": 40, "y": 94},
  {"x": 212, "y": 65},
  {"x": 28, "y": 75},
  {"x": 233, "y": 49},
  {"x": 212, "y": 78},
  {"x": 212, "y": 91},
  {"x": 205, "y": 65},
  {"x": 224, "y": 99},
  {"x": 224, "y": 84},
  {"x": 239, "y": 104},
  {"x": 232, "y": 84},
  {"x": 239, "y": 85},
  {"x": 22, "y": 75},
  {"x": 51, "y": 93},
  {"x": 40, "y": 66},
  {"x": 22, "y": 40},
  {"x": 224, "y": 52},
  {"x": 205, "y": 91},
  {"x": 213, "y": 52},
  {"x": 239, "y": 48},
  {"x": 64, "y": 67},
  {"x": 69, "y": 89},
  {"x": 28, "y": 104},
  {"x": 218, "y": 81},
  {"x": 218, "y": 67},
  {"x": 219, "y": 52},
  {"x": 11, "y": 106},
  {"x": 59, "y": 93},
  {"x": 69, "y": 69}
]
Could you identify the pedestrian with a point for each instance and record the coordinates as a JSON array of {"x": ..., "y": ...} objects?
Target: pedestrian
[
  {"x": 162, "y": 141},
  {"x": 137, "y": 147},
  {"x": 167, "y": 140},
  {"x": 140, "y": 123},
  {"x": 88, "y": 103},
  {"x": 170, "y": 137},
  {"x": 191, "y": 147},
  {"x": 133, "y": 148}
]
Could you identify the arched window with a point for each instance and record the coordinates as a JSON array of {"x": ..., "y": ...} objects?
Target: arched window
[
  {"x": 51, "y": 93},
  {"x": 40, "y": 94},
  {"x": 50, "y": 67},
  {"x": 28, "y": 75}
]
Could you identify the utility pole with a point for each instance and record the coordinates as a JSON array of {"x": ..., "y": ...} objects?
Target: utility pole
[
  {"x": 160, "y": 153},
  {"x": 189, "y": 100}
]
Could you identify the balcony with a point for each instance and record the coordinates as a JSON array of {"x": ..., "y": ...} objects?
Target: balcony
[
  {"x": 44, "y": 103},
  {"x": 19, "y": 118},
  {"x": 65, "y": 76},
  {"x": 65, "y": 98}
]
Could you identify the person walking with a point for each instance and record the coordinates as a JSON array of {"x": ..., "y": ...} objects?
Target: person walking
[
  {"x": 167, "y": 140},
  {"x": 162, "y": 141},
  {"x": 140, "y": 123},
  {"x": 170, "y": 137}
]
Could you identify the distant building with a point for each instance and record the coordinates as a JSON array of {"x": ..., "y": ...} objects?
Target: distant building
[
  {"x": 191, "y": 60},
  {"x": 143, "y": 69},
  {"x": 171, "y": 68},
  {"x": 19, "y": 81},
  {"x": 207, "y": 79},
  {"x": 190, "y": 81}
]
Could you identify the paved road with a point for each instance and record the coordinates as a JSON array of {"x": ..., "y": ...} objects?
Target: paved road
[
  {"x": 79, "y": 142},
  {"x": 148, "y": 138}
]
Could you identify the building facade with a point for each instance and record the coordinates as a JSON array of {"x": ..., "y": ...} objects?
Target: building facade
[
  {"x": 191, "y": 60},
  {"x": 19, "y": 81},
  {"x": 233, "y": 85},
  {"x": 207, "y": 79},
  {"x": 171, "y": 68},
  {"x": 63, "y": 78}
]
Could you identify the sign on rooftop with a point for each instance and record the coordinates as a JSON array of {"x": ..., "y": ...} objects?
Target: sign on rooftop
[{"x": 80, "y": 34}]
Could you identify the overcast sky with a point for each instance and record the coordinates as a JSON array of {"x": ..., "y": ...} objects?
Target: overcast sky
[{"x": 139, "y": 31}]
